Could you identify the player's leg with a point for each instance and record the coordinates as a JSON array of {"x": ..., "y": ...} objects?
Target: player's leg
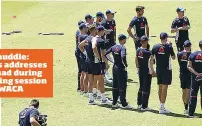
[
  {"x": 193, "y": 98},
  {"x": 201, "y": 93},
  {"x": 81, "y": 82},
  {"x": 108, "y": 78},
  {"x": 139, "y": 96},
  {"x": 184, "y": 90},
  {"x": 146, "y": 91},
  {"x": 85, "y": 83},
  {"x": 115, "y": 89},
  {"x": 137, "y": 44},
  {"x": 79, "y": 71},
  {"x": 90, "y": 82}
]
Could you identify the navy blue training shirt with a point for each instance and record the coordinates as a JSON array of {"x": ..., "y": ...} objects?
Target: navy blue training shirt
[
  {"x": 138, "y": 24},
  {"x": 119, "y": 55},
  {"x": 81, "y": 37},
  {"x": 162, "y": 53},
  {"x": 26, "y": 114},
  {"x": 177, "y": 22},
  {"x": 110, "y": 25},
  {"x": 100, "y": 45},
  {"x": 196, "y": 59},
  {"x": 77, "y": 35},
  {"x": 183, "y": 60},
  {"x": 143, "y": 56},
  {"x": 89, "y": 50}
]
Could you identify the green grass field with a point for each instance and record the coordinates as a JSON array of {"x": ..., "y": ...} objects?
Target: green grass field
[{"x": 67, "y": 107}]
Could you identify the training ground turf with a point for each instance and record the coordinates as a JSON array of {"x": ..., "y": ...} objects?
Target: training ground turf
[{"x": 68, "y": 108}]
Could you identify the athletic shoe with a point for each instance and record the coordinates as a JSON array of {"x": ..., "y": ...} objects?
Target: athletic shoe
[
  {"x": 127, "y": 107},
  {"x": 78, "y": 90},
  {"x": 85, "y": 94},
  {"x": 115, "y": 106},
  {"x": 95, "y": 95},
  {"x": 98, "y": 97},
  {"x": 186, "y": 112},
  {"x": 191, "y": 116},
  {"x": 106, "y": 102},
  {"x": 107, "y": 76},
  {"x": 146, "y": 109},
  {"x": 108, "y": 81},
  {"x": 139, "y": 106},
  {"x": 81, "y": 92},
  {"x": 91, "y": 102},
  {"x": 164, "y": 111}
]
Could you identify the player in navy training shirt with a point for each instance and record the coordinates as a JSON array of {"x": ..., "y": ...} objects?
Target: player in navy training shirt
[
  {"x": 140, "y": 25},
  {"x": 195, "y": 67},
  {"x": 163, "y": 53},
  {"x": 78, "y": 56},
  {"x": 29, "y": 116},
  {"x": 119, "y": 72},
  {"x": 100, "y": 62},
  {"x": 185, "y": 75},
  {"x": 180, "y": 25},
  {"x": 89, "y": 21},
  {"x": 143, "y": 56},
  {"x": 86, "y": 47},
  {"x": 99, "y": 18},
  {"x": 110, "y": 38},
  {"x": 83, "y": 77}
]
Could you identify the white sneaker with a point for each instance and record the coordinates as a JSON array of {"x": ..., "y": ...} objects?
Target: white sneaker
[
  {"x": 85, "y": 94},
  {"x": 91, "y": 102},
  {"x": 115, "y": 106},
  {"x": 108, "y": 81},
  {"x": 139, "y": 106},
  {"x": 106, "y": 102},
  {"x": 146, "y": 109},
  {"x": 127, "y": 107},
  {"x": 186, "y": 112},
  {"x": 164, "y": 111},
  {"x": 81, "y": 92},
  {"x": 107, "y": 76}
]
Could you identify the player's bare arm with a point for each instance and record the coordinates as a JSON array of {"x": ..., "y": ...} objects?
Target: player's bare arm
[
  {"x": 34, "y": 122},
  {"x": 104, "y": 58},
  {"x": 151, "y": 64},
  {"x": 147, "y": 30},
  {"x": 82, "y": 44},
  {"x": 129, "y": 30}
]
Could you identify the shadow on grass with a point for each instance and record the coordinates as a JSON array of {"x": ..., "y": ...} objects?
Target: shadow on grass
[
  {"x": 108, "y": 89},
  {"x": 131, "y": 81}
]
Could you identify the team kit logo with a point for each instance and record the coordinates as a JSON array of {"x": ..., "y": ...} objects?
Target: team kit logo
[
  {"x": 161, "y": 50},
  {"x": 140, "y": 55},
  {"x": 198, "y": 58},
  {"x": 116, "y": 51},
  {"x": 184, "y": 57}
]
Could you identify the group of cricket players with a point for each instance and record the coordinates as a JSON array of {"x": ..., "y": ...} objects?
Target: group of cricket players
[{"x": 96, "y": 46}]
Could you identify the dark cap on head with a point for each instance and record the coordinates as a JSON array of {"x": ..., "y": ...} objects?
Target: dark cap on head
[
  {"x": 122, "y": 37},
  {"x": 200, "y": 43},
  {"x": 99, "y": 14},
  {"x": 180, "y": 9},
  {"x": 163, "y": 35},
  {"x": 187, "y": 43},
  {"x": 81, "y": 26},
  {"x": 100, "y": 28},
  {"x": 110, "y": 12},
  {"x": 88, "y": 16},
  {"x": 138, "y": 8},
  {"x": 144, "y": 38},
  {"x": 80, "y": 22}
]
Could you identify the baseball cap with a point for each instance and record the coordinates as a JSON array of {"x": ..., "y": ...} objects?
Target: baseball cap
[
  {"x": 110, "y": 12},
  {"x": 99, "y": 14},
  {"x": 100, "y": 28},
  {"x": 187, "y": 43},
  {"x": 180, "y": 9},
  {"x": 138, "y": 8},
  {"x": 163, "y": 35},
  {"x": 80, "y": 22},
  {"x": 88, "y": 16},
  {"x": 82, "y": 25},
  {"x": 122, "y": 37},
  {"x": 144, "y": 38},
  {"x": 200, "y": 43}
]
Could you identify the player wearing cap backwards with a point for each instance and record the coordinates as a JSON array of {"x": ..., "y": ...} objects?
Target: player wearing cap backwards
[
  {"x": 180, "y": 25},
  {"x": 140, "y": 25},
  {"x": 77, "y": 54},
  {"x": 86, "y": 47},
  {"x": 162, "y": 52},
  {"x": 145, "y": 73},
  {"x": 119, "y": 72},
  {"x": 109, "y": 24},
  {"x": 185, "y": 75},
  {"x": 195, "y": 67},
  {"x": 100, "y": 62},
  {"x": 83, "y": 78}
]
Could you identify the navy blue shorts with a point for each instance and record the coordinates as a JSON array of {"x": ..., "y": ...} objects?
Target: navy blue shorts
[
  {"x": 99, "y": 68},
  {"x": 83, "y": 65},
  {"x": 185, "y": 80},
  {"x": 90, "y": 67},
  {"x": 164, "y": 76},
  {"x": 78, "y": 63}
]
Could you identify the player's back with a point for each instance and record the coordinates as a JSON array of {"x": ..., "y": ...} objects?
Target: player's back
[
  {"x": 183, "y": 60},
  {"x": 116, "y": 52},
  {"x": 196, "y": 59}
]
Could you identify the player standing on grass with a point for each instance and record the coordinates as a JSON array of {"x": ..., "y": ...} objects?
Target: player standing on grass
[
  {"x": 181, "y": 26},
  {"x": 119, "y": 72},
  {"x": 162, "y": 53},
  {"x": 86, "y": 47},
  {"x": 185, "y": 75},
  {"x": 195, "y": 67},
  {"x": 140, "y": 25},
  {"x": 98, "y": 46},
  {"x": 109, "y": 24},
  {"x": 145, "y": 73},
  {"x": 84, "y": 75},
  {"x": 77, "y": 54}
]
